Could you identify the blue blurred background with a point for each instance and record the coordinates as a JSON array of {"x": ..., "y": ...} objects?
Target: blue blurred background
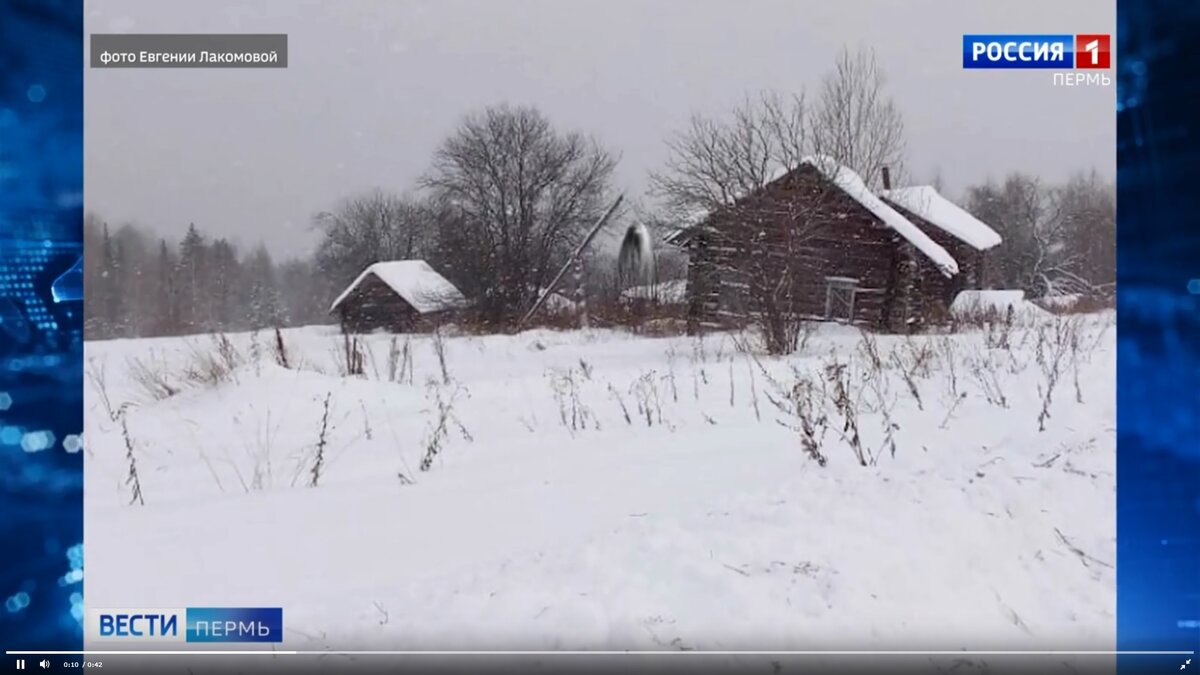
[
  {"x": 41, "y": 387},
  {"x": 1158, "y": 370}
]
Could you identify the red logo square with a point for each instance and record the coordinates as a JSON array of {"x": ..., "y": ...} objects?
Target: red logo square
[{"x": 1092, "y": 51}]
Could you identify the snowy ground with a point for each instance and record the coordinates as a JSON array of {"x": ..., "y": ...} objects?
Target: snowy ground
[{"x": 598, "y": 490}]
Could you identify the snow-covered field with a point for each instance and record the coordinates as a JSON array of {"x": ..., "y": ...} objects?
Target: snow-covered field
[{"x": 601, "y": 490}]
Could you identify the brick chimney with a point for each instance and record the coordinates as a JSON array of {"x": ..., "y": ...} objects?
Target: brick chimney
[{"x": 887, "y": 179}]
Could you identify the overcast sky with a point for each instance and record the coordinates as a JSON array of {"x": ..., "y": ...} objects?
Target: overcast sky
[{"x": 372, "y": 86}]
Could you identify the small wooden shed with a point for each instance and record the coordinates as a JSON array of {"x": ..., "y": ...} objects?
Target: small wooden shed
[{"x": 398, "y": 296}]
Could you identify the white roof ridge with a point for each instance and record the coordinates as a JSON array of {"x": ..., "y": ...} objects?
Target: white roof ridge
[{"x": 925, "y": 201}]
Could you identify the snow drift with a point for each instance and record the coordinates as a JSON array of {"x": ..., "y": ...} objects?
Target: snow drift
[{"x": 591, "y": 490}]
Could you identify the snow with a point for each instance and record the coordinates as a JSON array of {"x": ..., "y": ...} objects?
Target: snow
[
  {"x": 1061, "y": 300},
  {"x": 926, "y": 202},
  {"x": 415, "y": 281},
  {"x": 988, "y": 301},
  {"x": 668, "y": 292},
  {"x": 552, "y": 522}
]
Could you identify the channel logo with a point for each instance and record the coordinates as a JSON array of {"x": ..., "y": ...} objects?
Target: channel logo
[
  {"x": 190, "y": 624},
  {"x": 1082, "y": 51},
  {"x": 234, "y": 624}
]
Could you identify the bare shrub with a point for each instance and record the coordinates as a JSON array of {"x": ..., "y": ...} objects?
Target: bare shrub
[
  {"x": 439, "y": 349},
  {"x": 996, "y": 323},
  {"x": 958, "y": 399},
  {"x": 131, "y": 478},
  {"x": 573, "y": 413},
  {"x": 621, "y": 402},
  {"x": 1054, "y": 342},
  {"x": 909, "y": 368},
  {"x": 868, "y": 348},
  {"x": 214, "y": 365},
  {"x": 874, "y": 382},
  {"x": 151, "y": 376},
  {"x": 949, "y": 358},
  {"x": 444, "y": 419},
  {"x": 672, "y": 354},
  {"x": 97, "y": 374},
  {"x": 649, "y": 404},
  {"x": 400, "y": 363},
  {"x": 984, "y": 372},
  {"x": 322, "y": 441},
  {"x": 846, "y": 404},
  {"x": 350, "y": 358},
  {"x": 802, "y": 402}
]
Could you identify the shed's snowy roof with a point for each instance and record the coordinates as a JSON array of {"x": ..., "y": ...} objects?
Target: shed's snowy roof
[
  {"x": 414, "y": 280},
  {"x": 1000, "y": 301},
  {"x": 928, "y": 203},
  {"x": 852, "y": 184}
]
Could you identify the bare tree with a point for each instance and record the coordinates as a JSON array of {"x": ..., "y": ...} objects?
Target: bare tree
[
  {"x": 715, "y": 162},
  {"x": 368, "y": 228},
  {"x": 1087, "y": 206},
  {"x": 855, "y": 121},
  {"x": 513, "y": 196},
  {"x": 1038, "y": 224}
]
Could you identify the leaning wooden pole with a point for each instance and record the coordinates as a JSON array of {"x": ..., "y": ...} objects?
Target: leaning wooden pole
[{"x": 571, "y": 260}]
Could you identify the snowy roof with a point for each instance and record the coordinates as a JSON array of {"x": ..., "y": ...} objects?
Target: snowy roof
[
  {"x": 852, "y": 184},
  {"x": 989, "y": 301},
  {"x": 986, "y": 300},
  {"x": 926, "y": 202},
  {"x": 414, "y": 280}
]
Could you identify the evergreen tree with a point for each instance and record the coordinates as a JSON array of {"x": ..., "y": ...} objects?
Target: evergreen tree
[
  {"x": 166, "y": 300},
  {"x": 112, "y": 310},
  {"x": 191, "y": 277},
  {"x": 133, "y": 284},
  {"x": 224, "y": 280},
  {"x": 265, "y": 306}
]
